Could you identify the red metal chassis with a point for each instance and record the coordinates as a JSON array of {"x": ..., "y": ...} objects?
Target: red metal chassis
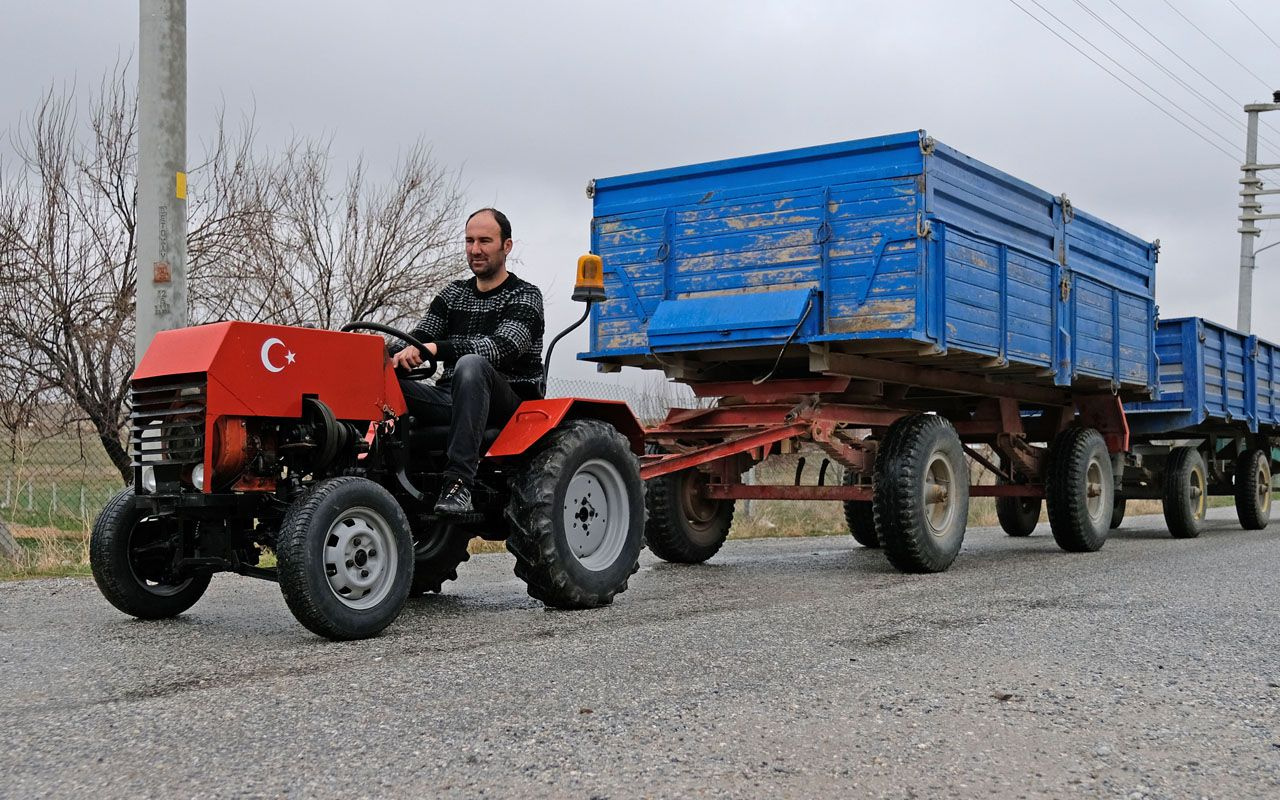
[{"x": 754, "y": 421}]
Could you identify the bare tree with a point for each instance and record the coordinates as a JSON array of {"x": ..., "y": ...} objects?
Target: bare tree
[
  {"x": 268, "y": 240},
  {"x": 319, "y": 257}
]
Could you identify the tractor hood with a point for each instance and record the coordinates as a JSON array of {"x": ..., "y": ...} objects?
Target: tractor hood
[{"x": 266, "y": 370}]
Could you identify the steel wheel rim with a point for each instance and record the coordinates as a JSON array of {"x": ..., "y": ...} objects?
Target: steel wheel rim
[
  {"x": 1094, "y": 491},
  {"x": 697, "y": 509},
  {"x": 1196, "y": 493},
  {"x": 596, "y": 514},
  {"x": 148, "y": 583},
  {"x": 360, "y": 558},
  {"x": 939, "y": 494},
  {"x": 1264, "y": 485}
]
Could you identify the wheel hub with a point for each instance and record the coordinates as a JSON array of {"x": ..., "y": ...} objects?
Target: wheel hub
[
  {"x": 596, "y": 514},
  {"x": 359, "y": 557},
  {"x": 939, "y": 500}
]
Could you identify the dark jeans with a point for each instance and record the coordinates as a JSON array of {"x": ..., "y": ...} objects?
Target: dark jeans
[{"x": 477, "y": 398}]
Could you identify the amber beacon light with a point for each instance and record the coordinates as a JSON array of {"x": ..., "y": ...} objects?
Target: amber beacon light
[{"x": 590, "y": 284}]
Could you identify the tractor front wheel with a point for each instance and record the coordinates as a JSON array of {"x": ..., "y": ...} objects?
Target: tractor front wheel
[
  {"x": 132, "y": 557},
  {"x": 345, "y": 558},
  {"x": 577, "y": 516}
]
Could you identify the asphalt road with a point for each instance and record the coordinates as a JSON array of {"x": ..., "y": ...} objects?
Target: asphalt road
[{"x": 783, "y": 668}]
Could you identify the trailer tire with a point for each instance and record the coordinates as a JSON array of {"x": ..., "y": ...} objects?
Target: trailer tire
[
  {"x": 682, "y": 526},
  {"x": 134, "y": 581},
  {"x": 1018, "y": 516},
  {"x": 1079, "y": 464},
  {"x": 345, "y": 558},
  {"x": 437, "y": 554},
  {"x": 562, "y": 564},
  {"x": 1186, "y": 492},
  {"x": 921, "y": 494},
  {"x": 860, "y": 516},
  {"x": 1253, "y": 489},
  {"x": 1117, "y": 512}
]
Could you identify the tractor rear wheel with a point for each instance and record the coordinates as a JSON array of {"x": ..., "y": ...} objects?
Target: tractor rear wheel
[
  {"x": 1018, "y": 516},
  {"x": 345, "y": 558},
  {"x": 1117, "y": 512},
  {"x": 132, "y": 559},
  {"x": 683, "y": 526},
  {"x": 577, "y": 516},
  {"x": 438, "y": 550}
]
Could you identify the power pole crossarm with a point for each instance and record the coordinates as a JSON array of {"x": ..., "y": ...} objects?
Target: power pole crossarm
[{"x": 162, "y": 171}]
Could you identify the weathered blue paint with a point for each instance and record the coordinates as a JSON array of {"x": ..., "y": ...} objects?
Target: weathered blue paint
[
  {"x": 1210, "y": 377},
  {"x": 901, "y": 239}
]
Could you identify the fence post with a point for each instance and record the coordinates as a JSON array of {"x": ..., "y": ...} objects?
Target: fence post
[
  {"x": 31, "y": 496},
  {"x": 749, "y": 480},
  {"x": 81, "y": 501},
  {"x": 53, "y": 502}
]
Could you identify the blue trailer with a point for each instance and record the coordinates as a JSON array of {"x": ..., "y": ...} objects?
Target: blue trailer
[
  {"x": 890, "y": 285},
  {"x": 1208, "y": 430}
]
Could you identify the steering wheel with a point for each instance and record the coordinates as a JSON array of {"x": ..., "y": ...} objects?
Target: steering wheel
[{"x": 419, "y": 373}]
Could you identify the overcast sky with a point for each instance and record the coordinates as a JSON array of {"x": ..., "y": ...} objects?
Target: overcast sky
[{"x": 530, "y": 100}]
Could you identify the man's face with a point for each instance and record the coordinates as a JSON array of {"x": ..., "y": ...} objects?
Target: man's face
[{"x": 486, "y": 249}]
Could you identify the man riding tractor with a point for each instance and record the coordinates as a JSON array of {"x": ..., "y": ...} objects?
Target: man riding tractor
[{"x": 248, "y": 439}]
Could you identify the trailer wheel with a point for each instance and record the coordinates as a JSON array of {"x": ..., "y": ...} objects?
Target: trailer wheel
[
  {"x": 131, "y": 557},
  {"x": 860, "y": 516},
  {"x": 683, "y": 526},
  {"x": 1117, "y": 512},
  {"x": 1186, "y": 495},
  {"x": 438, "y": 550},
  {"x": 1253, "y": 489},
  {"x": 1080, "y": 491},
  {"x": 921, "y": 494},
  {"x": 345, "y": 558},
  {"x": 577, "y": 517},
  {"x": 1018, "y": 516}
]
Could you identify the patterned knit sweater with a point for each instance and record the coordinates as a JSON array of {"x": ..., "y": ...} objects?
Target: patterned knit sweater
[{"x": 504, "y": 325}]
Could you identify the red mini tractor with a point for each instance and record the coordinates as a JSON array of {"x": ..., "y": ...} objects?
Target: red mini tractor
[{"x": 250, "y": 438}]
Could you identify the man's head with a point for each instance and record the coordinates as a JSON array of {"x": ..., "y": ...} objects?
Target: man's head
[{"x": 488, "y": 243}]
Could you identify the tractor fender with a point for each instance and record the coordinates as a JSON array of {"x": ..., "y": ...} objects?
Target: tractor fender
[{"x": 536, "y": 418}]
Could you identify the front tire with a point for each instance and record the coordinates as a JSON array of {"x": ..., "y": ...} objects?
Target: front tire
[
  {"x": 682, "y": 525},
  {"x": 345, "y": 558},
  {"x": 921, "y": 494},
  {"x": 860, "y": 517},
  {"x": 1253, "y": 489},
  {"x": 1018, "y": 515},
  {"x": 577, "y": 517},
  {"x": 131, "y": 557},
  {"x": 1186, "y": 495},
  {"x": 1080, "y": 491},
  {"x": 1117, "y": 512}
]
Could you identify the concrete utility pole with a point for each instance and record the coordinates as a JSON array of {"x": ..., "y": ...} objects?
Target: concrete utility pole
[
  {"x": 162, "y": 170},
  {"x": 1251, "y": 190}
]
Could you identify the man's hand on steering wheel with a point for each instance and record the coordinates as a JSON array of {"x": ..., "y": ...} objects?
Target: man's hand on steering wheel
[
  {"x": 410, "y": 357},
  {"x": 408, "y": 361}
]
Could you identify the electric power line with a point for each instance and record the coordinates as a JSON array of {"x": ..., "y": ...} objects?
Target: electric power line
[
  {"x": 1256, "y": 25},
  {"x": 1191, "y": 66},
  {"x": 1127, "y": 85},
  {"x": 1224, "y": 113},
  {"x": 1214, "y": 42}
]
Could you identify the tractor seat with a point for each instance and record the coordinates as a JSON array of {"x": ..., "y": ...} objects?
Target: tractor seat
[{"x": 436, "y": 438}]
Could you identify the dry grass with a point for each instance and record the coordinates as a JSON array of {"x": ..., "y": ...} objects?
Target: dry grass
[{"x": 46, "y": 552}]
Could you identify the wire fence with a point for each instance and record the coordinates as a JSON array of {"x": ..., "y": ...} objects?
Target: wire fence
[{"x": 55, "y": 477}]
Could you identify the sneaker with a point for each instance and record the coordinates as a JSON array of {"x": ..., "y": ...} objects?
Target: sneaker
[{"x": 455, "y": 500}]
